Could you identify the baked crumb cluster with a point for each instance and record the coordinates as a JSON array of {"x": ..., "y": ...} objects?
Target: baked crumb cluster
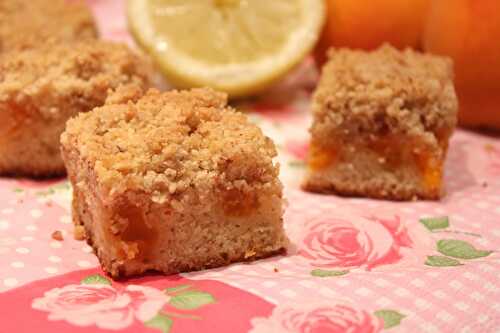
[
  {"x": 396, "y": 109},
  {"x": 41, "y": 88},
  {"x": 172, "y": 182},
  {"x": 384, "y": 91},
  {"x": 57, "y": 79},
  {"x": 170, "y": 143},
  {"x": 28, "y": 23}
]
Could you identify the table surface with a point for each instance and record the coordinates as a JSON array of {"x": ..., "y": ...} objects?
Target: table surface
[{"x": 355, "y": 264}]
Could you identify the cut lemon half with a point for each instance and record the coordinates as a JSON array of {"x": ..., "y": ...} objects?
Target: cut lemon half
[{"x": 237, "y": 46}]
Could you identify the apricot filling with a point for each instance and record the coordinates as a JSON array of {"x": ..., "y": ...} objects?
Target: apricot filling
[
  {"x": 238, "y": 203},
  {"x": 393, "y": 154},
  {"x": 321, "y": 158},
  {"x": 16, "y": 117},
  {"x": 431, "y": 170},
  {"x": 137, "y": 238}
]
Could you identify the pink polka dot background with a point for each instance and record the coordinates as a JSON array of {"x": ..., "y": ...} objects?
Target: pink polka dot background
[
  {"x": 29, "y": 213},
  {"x": 462, "y": 298}
]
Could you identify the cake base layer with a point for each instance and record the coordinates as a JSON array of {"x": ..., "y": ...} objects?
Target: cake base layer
[
  {"x": 174, "y": 243},
  {"x": 363, "y": 172},
  {"x": 29, "y": 146}
]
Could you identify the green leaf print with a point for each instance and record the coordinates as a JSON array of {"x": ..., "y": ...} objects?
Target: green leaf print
[
  {"x": 178, "y": 288},
  {"x": 441, "y": 261},
  {"x": 435, "y": 223},
  {"x": 191, "y": 299},
  {"x": 95, "y": 279},
  {"x": 62, "y": 186},
  {"x": 460, "y": 249},
  {"x": 324, "y": 273},
  {"x": 45, "y": 193},
  {"x": 160, "y": 322},
  {"x": 391, "y": 318}
]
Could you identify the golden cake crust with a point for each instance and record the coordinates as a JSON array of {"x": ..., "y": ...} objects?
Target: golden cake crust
[
  {"x": 30, "y": 23},
  {"x": 384, "y": 90},
  {"x": 166, "y": 142}
]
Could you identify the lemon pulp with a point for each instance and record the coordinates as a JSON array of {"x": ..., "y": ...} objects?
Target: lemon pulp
[{"x": 239, "y": 46}]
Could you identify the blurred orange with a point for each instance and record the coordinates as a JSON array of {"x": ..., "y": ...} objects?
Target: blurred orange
[
  {"x": 469, "y": 32},
  {"x": 367, "y": 24}
]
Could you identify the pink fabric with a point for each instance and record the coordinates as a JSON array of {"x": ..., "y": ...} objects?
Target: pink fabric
[
  {"x": 64, "y": 304},
  {"x": 355, "y": 265},
  {"x": 318, "y": 318},
  {"x": 358, "y": 242}
]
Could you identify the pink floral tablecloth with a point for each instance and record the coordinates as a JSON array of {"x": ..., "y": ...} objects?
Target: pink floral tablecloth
[{"x": 356, "y": 265}]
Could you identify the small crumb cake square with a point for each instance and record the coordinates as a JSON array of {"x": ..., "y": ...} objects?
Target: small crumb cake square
[
  {"x": 173, "y": 182},
  {"x": 41, "y": 88},
  {"x": 381, "y": 124}
]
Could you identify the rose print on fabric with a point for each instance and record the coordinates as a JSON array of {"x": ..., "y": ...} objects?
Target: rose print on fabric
[
  {"x": 96, "y": 302},
  {"x": 359, "y": 242},
  {"x": 325, "y": 318},
  {"x": 101, "y": 304},
  {"x": 298, "y": 149}
]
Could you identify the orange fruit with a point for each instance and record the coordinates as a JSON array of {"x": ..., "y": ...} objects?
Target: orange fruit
[
  {"x": 366, "y": 24},
  {"x": 469, "y": 32}
]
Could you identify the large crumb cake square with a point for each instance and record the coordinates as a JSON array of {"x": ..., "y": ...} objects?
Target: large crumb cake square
[
  {"x": 381, "y": 124},
  {"x": 41, "y": 88},
  {"x": 174, "y": 182}
]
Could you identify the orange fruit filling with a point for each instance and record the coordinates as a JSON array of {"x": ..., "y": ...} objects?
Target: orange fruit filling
[
  {"x": 321, "y": 158},
  {"x": 431, "y": 170},
  {"x": 394, "y": 155},
  {"x": 137, "y": 238},
  {"x": 238, "y": 203},
  {"x": 16, "y": 117}
]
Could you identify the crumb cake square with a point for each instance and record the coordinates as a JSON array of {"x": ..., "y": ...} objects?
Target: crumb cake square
[
  {"x": 40, "y": 89},
  {"x": 173, "y": 182},
  {"x": 381, "y": 124}
]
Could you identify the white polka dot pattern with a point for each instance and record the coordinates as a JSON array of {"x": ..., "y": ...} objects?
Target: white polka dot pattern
[{"x": 27, "y": 250}]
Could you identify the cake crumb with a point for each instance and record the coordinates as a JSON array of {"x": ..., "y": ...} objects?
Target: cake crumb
[
  {"x": 489, "y": 147},
  {"x": 57, "y": 235},
  {"x": 79, "y": 232},
  {"x": 275, "y": 270},
  {"x": 250, "y": 253}
]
